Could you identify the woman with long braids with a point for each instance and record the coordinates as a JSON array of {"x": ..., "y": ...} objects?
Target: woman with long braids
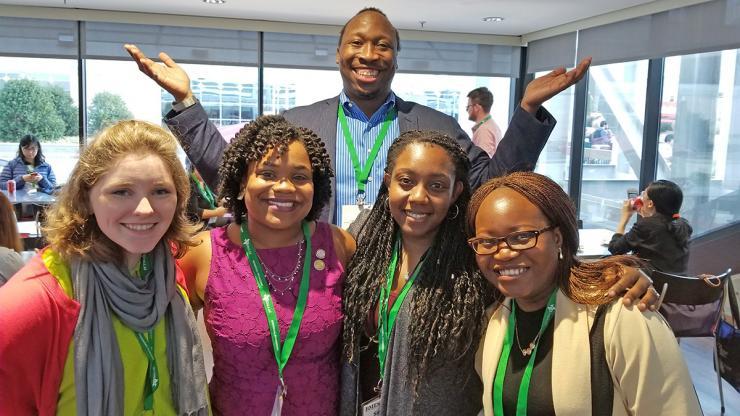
[
  {"x": 417, "y": 230},
  {"x": 557, "y": 342},
  {"x": 271, "y": 282},
  {"x": 414, "y": 299}
]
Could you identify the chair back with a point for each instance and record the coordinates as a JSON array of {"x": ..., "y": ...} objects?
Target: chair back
[
  {"x": 691, "y": 290},
  {"x": 692, "y": 304}
]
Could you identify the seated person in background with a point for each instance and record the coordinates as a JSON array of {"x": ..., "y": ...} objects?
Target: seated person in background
[
  {"x": 29, "y": 167},
  {"x": 602, "y": 135},
  {"x": 202, "y": 205},
  {"x": 660, "y": 235},
  {"x": 557, "y": 342},
  {"x": 10, "y": 243}
]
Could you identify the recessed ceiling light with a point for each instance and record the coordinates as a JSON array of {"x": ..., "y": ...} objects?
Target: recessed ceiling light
[
  {"x": 214, "y": 1},
  {"x": 493, "y": 19}
]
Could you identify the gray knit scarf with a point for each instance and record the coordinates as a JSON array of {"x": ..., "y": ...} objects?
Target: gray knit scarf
[{"x": 105, "y": 288}]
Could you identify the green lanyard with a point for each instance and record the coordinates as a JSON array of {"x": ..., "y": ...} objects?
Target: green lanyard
[
  {"x": 146, "y": 341},
  {"x": 386, "y": 319},
  {"x": 480, "y": 123},
  {"x": 282, "y": 353},
  {"x": 362, "y": 173},
  {"x": 204, "y": 191},
  {"x": 503, "y": 362}
]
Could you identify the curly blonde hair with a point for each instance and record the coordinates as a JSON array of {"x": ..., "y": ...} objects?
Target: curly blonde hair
[{"x": 71, "y": 227}]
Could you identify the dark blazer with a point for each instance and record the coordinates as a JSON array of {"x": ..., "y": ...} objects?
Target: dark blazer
[{"x": 518, "y": 150}]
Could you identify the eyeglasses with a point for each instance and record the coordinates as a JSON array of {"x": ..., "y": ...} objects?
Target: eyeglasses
[
  {"x": 467, "y": 107},
  {"x": 518, "y": 240}
]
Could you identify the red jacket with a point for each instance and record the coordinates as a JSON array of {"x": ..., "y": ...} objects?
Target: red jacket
[{"x": 37, "y": 322}]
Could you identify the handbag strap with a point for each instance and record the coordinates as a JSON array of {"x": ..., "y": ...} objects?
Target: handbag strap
[
  {"x": 602, "y": 387},
  {"x": 733, "y": 302}
]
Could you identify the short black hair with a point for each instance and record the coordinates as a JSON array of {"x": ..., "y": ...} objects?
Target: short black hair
[
  {"x": 375, "y": 10},
  {"x": 483, "y": 97},
  {"x": 253, "y": 142}
]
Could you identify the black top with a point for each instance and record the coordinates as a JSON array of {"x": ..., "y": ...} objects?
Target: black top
[
  {"x": 539, "y": 399},
  {"x": 651, "y": 239}
]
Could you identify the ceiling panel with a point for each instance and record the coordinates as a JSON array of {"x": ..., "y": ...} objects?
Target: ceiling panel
[{"x": 521, "y": 16}]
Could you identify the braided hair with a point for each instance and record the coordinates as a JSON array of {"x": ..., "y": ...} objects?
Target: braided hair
[
  {"x": 450, "y": 295},
  {"x": 582, "y": 282},
  {"x": 253, "y": 142}
]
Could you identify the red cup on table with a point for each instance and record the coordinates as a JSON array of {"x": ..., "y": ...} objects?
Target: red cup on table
[{"x": 11, "y": 186}]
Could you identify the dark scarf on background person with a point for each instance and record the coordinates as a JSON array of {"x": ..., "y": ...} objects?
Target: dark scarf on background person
[{"x": 140, "y": 303}]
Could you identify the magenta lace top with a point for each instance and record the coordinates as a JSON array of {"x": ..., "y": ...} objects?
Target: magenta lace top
[{"x": 245, "y": 376}]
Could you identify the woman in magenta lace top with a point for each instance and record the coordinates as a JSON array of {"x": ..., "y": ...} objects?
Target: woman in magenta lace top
[{"x": 275, "y": 267}]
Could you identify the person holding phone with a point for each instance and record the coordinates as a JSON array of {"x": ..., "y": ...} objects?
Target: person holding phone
[
  {"x": 29, "y": 168},
  {"x": 660, "y": 235}
]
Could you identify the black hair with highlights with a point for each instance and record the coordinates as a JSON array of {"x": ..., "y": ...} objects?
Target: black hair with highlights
[{"x": 253, "y": 142}]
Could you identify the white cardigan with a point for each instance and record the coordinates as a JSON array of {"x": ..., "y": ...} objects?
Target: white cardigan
[{"x": 649, "y": 374}]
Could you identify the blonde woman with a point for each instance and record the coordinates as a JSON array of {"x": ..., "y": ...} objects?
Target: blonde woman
[{"x": 96, "y": 323}]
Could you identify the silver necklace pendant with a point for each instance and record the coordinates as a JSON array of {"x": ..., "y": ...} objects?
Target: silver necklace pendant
[
  {"x": 528, "y": 351},
  {"x": 273, "y": 279}
]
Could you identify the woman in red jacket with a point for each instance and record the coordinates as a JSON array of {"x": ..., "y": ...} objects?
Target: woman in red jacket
[{"x": 96, "y": 323}]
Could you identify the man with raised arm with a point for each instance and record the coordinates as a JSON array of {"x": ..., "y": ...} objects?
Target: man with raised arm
[{"x": 359, "y": 124}]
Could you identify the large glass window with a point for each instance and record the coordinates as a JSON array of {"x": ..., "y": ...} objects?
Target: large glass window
[
  {"x": 554, "y": 160},
  {"x": 699, "y": 141},
  {"x": 227, "y": 93},
  {"x": 117, "y": 90},
  {"x": 39, "y": 96},
  {"x": 615, "y": 113},
  {"x": 286, "y": 88},
  {"x": 449, "y": 94}
]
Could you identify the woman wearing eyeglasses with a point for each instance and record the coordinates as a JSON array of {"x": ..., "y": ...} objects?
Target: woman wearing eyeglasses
[
  {"x": 413, "y": 298},
  {"x": 557, "y": 342}
]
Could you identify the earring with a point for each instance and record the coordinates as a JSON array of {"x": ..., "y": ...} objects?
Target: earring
[
  {"x": 387, "y": 203},
  {"x": 457, "y": 212},
  {"x": 240, "y": 196},
  {"x": 560, "y": 253}
]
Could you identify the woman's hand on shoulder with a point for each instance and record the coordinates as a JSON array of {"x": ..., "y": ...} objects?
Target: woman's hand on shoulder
[
  {"x": 344, "y": 244},
  {"x": 196, "y": 265},
  {"x": 635, "y": 285}
]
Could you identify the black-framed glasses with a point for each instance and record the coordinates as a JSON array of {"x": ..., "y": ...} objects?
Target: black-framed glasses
[{"x": 518, "y": 240}]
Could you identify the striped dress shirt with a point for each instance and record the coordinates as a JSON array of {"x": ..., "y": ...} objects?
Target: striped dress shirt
[{"x": 364, "y": 132}]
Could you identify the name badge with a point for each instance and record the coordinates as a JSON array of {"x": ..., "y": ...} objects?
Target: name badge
[
  {"x": 371, "y": 407},
  {"x": 350, "y": 214},
  {"x": 277, "y": 406}
]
